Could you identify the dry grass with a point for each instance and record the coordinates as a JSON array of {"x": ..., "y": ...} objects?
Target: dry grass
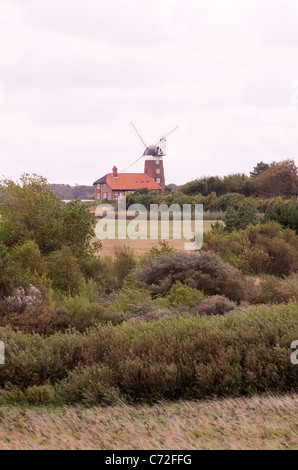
[
  {"x": 252, "y": 423},
  {"x": 141, "y": 246}
]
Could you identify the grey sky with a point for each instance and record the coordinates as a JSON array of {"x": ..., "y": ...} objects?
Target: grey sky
[{"x": 76, "y": 72}]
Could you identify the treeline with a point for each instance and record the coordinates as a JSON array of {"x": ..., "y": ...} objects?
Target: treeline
[
  {"x": 266, "y": 180},
  {"x": 65, "y": 191}
]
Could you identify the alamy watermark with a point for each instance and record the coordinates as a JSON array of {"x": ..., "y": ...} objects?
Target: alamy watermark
[
  {"x": 2, "y": 353},
  {"x": 2, "y": 92},
  {"x": 294, "y": 355},
  {"x": 160, "y": 222}
]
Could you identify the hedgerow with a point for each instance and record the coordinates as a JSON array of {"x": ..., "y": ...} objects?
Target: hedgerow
[{"x": 243, "y": 352}]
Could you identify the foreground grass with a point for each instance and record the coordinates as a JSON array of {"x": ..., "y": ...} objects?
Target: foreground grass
[{"x": 243, "y": 423}]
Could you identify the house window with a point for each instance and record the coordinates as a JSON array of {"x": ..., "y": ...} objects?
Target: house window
[
  {"x": 158, "y": 171},
  {"x": 98, "y": 186},
  {"x": 158, "y": 180},
  {"x": 98, "y": 196},
  {"x": 157, "y": 162}
]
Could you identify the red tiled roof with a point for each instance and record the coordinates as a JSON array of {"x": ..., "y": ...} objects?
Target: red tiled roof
[{"x": 131, "y": 181}]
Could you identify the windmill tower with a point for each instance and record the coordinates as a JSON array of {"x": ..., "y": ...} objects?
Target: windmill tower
[{"x": 153, "y": 156}]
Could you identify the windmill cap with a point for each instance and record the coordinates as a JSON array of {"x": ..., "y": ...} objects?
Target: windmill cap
[{"x": 154, "y": 151}]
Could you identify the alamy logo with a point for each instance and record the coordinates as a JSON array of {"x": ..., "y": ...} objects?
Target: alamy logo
[
  {"x": 294, "y": 355},
  {"x": 2, "y": 353},
  {"x": 160, "y": 222}
]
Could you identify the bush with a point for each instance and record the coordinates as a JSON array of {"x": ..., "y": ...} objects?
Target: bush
[
  {"x": 29, "y": 258},
  {"x": 91, "y": 385},
  {"x": 265, "y": 248},
  {"x": 124, "y": 263},
  {"x": 205, "y": 272},
  {"x": 245, "y": 215},
  {"x": 275, "y": 290},
  {"x": 19, "y": 302},
  {"x": 63, "y": 269},
  {"x": 242, "y": 352},
  {"x": 183, "y": 295},
  {"x": 285, "y": 214},
  {"x": 215, "y": 305}
]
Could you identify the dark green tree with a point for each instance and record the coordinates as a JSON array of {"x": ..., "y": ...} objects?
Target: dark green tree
[
  {"x": 258, "y": 169},
  {"x": 245, "y": 215}
]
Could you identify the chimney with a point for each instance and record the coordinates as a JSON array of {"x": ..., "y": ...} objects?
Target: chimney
[{"x": 115, "y": 172}]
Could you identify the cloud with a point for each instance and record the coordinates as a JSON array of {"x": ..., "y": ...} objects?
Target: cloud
[{"x": 76, "y": 73}]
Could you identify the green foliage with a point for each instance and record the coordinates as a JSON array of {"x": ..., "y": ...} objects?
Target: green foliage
[
  {"x": 131, "y": 299},
  {"x": 124, "y": 263},
  {"x": 245, "y": 215},
  {"x": 29, "y": 258},
  {"x": 243, "y": 352},
  {"x": 64, "y": 271},
  {"x": 81, "y": 314},
  {"x": 162, "y": 248},
  {"x": 32, "y": 212},
  {"x": 205, "y": 272},
  {"x": 181, "y": 294},
  {"x": 230, "y": 200},
  {"x": 258, "y": 169},
  {"x": 285, "y": 214},
  {"x": 264, "y": 248}
]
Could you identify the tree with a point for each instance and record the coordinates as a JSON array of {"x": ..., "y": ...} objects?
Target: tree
[
  {"x": 261, "y": 166},
  {"x": 31, "y": 211},
  {"x": 280, "y": 179},
  {"x": 284, "y": 214},
  {"x": 245, "y": 215},
  {"x": 64, "y": 271}
]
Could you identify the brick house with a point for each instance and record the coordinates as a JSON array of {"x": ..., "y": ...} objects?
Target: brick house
[{"x": 115, "y": 184}]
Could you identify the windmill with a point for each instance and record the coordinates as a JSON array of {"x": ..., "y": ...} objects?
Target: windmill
[{"x": 153, "y": 156}]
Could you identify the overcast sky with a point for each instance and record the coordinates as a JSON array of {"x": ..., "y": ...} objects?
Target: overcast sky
[{"x": 76, "y": 72}]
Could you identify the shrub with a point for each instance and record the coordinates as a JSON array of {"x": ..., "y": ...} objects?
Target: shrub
[
  {"x": 284, "y": 214},
  {"x": 19, "y": 302},
  {"x": 124, "y": 263},
  {"x": 214, "y": 305},
  {"x": 91, "y": 385},
  {"x": 245, "y": 215},
  {"x": 183, "y": 295},
  {"x": 242, "y": 352},
  {"x": 83, "y": 314},
  {"x": 130, "y": 299},
  {"x": 29, "y": 258},
  {"x": 205, "y": 272},
  {"x": 63, "y": 269},
  {"x": 275, "y": 290},
  {"x": 265, "y": 248}
]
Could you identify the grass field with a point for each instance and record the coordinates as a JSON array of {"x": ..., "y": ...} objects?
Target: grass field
[
  {"x": 251, "y": 423},
  {"x": 142, "y": 245}
]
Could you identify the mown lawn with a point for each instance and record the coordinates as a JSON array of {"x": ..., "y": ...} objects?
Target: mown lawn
[{"x": 243, "y": 423}]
